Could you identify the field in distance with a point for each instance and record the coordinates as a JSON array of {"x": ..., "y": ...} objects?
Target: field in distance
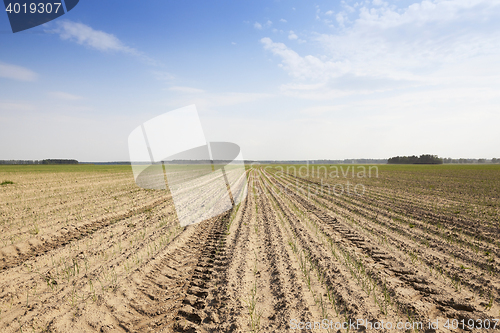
[{"x": 84, "y": 249}]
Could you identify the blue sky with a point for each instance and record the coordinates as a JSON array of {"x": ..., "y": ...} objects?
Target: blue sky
[{"x": 283, "y": 79}]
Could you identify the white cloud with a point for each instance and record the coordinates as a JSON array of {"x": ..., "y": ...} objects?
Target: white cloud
[
  {"x": 233, "y": 43},
  {"x": 64, "y": 96},
  {"x": 259, "y": 26},
  {"x": 381, "y": 48},
  {"x": 308, "y": 67},
  {"x": 444, "y": 12},
  {"x": 384, "y": 43},
  {"x": 85, "y": 35},
  {"x": 330, "y": 12},
  {"x": 16, "y": 72},
  {"x": 283, "y": 20},
  {"x": 186, "y": 90},
  {"x": 96, "y": 39},
  {"x": 379, "y": 3},
  {"x": 340, "y": 19},
  {"x": 293, "y": 36}
]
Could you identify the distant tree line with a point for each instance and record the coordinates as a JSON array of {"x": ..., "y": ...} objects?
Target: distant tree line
[
  {"x": 32, "y": 162},
  {"x": 422, "y": 159},
  {"x": 471, "y": 160},
  {"x": 345, "y": 161}
]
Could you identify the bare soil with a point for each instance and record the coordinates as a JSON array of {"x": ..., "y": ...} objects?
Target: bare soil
[{"x": 85, "y": 252}]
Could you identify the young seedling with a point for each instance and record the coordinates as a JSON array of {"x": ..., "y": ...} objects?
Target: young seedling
[
  {"x": 20, "y": 326},
  {"x": 490, "y": 304},
  {"x": 255, "y": 315},
  {"x": 324, "y": 309}
]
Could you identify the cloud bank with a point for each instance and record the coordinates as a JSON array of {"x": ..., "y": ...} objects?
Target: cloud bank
[{"x": 379, "y": 46}]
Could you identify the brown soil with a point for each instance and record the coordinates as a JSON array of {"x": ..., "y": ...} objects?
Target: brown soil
[{"x": 121, "y": 262}]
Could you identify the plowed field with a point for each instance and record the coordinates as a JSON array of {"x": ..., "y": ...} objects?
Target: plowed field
[{"x": 84, "y": 249}]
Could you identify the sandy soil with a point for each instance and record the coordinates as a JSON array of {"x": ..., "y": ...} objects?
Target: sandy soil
[{"x": 122, "y": 263}]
